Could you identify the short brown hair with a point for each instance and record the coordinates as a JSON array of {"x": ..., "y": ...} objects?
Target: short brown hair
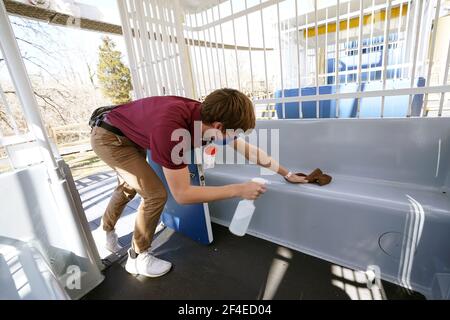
[{"x": 230, "y": 107}]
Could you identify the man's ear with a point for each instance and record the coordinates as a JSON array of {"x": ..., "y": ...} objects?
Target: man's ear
[{"x": 218, "y": 126}]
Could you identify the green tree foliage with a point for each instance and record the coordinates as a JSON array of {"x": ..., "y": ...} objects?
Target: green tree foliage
[{"x": 113, "y": 75}]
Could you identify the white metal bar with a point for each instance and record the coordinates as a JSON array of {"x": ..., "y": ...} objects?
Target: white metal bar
[
  {"x": 249, "y": 50},
  {"x": 416, "y": 49},
  {"x": 169, "y": 12},
  {"x": 306, "y": 49},
  {"x": 361, "y": 24},
  {"x": 265, "y": 53},
  {"x": 194, "y": 50},
  {"x": 123, "y": 10},
  {"x": 223, "y": 45},
  {"x": 348, "y": 39},
  {"x": 358, "y": 95},
  {"x": 217, "y": 48},
  {"x": 158, "y": 48},
  {"x": 168, "y": 51},
  {"x": 387, "y": 26},
  {"x": 186, "y": 63},
  {"x": 407, "y": 37},
  {"x": 9, "y": 111},
  {"x": 149, "y": 70},
  {"x": 157, "y": 59},
  {"x": 431, "y": 54},
  {"x": 211, "y": 52},
  {"x": 372, "y": 22},
  {"x": 316, "y": 32},
  {"x": 326, "y": 45},
  {"x": 283, "y": 106},
  {"x": 201, "y": 57},
  {"x": 399, "y": 30},
  {"x": 205, "y": 47},
  {"x": 300, "y": 109},
  {"x": 441, "y": 102},
  {"x": 139, "y": 39},
  {"x": 336, "y": 70},
  {"x": 235, "y": 48},
  {"x": 139, "y": 49},
  {"x": 217, "y": 84}
]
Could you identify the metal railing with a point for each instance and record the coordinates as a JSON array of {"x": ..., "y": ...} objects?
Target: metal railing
[{"x": 272, "y": 50}]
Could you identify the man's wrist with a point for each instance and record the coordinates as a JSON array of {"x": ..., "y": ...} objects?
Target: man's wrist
[
  {"x": 283, "y": 172},
  {"x": 288, "y": 175}
]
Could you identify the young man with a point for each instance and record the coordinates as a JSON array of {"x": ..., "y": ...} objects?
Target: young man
[{"x": 121, "y": 140}]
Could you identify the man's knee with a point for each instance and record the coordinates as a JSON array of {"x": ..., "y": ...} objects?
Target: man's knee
[{"x": 156, "y": 196}]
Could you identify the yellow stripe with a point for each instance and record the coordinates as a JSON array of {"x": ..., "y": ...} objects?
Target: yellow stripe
[{"x": 354, "y": 22}]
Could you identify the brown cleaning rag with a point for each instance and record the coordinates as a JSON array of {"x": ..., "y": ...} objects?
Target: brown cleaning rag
[{"x": 317, "y": 176}]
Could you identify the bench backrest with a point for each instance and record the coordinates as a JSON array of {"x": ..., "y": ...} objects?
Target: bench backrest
[{"x": 415, "y": 150}]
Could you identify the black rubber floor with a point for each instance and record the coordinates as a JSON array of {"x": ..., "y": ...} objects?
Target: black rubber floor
[{"x": 239, "y": 268}]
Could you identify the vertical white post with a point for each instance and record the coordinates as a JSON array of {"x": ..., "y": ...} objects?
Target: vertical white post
[
  {"x": 281, "y": 60},
  {"x": 416, "y": 49},
  {"x": 431, "y": 54},
  {"x": 139, "y": 49},
  {"x": 211, "y": 51},
  {"x": 249, "y": 49},
  {"x": 348, "y": 38},
  {"x": 211, "y": 86},
  {"x": 130, "y": 48},
  {"x": 235, "y": 48},
  {"x": 336, "y": 70},
  {"x": 407, "y": 39},
  {"x": 186, "y": 63},
  {"x": 444, "y": 82},
  {"x": 194, "y": 50},
  {"x": 217, "y": 48},
  {"x": 360, "y": 34},
  {"x": 162, "y": 61},
  {"x": 372, "y": 22},
  {"x": 167, "y": 48},
  {"x": 387, "y": 26},
  {"x": 223, "y": 45},
  {"x": 399, "y": 45},
  {"x": 169, "y": 12},
  {"x": 307, "y": 65},
  {"x": 202, "y": 61},
  {"x": 300, "y": 111},
  {"x": 316, "y": 32},
  {"x": 149, "y": 70},
  {"x": 157, "y": 62},
  {"x": 264, "y": 48},
  {"x": 326, "y": 47}
]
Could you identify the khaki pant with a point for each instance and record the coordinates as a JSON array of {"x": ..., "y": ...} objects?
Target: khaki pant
[{"x": 134, "y": 176}]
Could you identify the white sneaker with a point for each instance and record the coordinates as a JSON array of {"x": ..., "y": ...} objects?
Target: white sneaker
[
  {"x": 111, "y": 241},
  {"x": 147, "y": 265}
]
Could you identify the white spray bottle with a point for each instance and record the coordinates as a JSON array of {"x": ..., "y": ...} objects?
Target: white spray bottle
[{"x": 244, "y": 213}]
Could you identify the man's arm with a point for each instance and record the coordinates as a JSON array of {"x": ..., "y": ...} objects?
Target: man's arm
[
  {"x": 184, "y": 193},
  {"x": 260, "y": 157}
]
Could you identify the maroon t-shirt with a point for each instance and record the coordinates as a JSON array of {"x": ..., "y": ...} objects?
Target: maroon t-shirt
[{"x": 149, "y": 122}]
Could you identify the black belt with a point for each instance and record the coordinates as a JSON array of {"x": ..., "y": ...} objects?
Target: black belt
[{"x": 107, "y": 126}]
